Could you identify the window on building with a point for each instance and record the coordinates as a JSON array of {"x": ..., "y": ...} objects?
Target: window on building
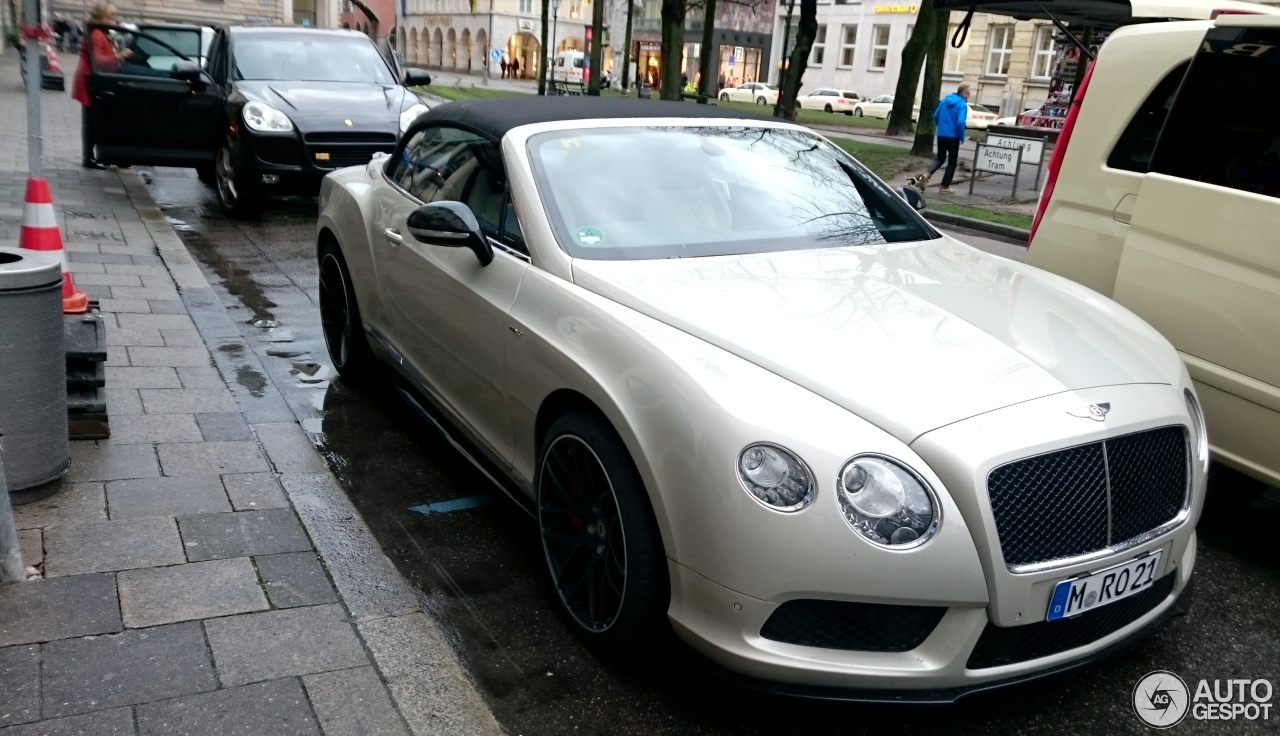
[
  {"x": 954, "y": 62},
  {"x": 526, "y": 6},
  {"x": 819, "y": 51},
  {"x": 879, "y": 47},
  {"x": 999, "y": 50},
  {"x": 848, "y": 41},
  {"x": 1042, "y": 59}
]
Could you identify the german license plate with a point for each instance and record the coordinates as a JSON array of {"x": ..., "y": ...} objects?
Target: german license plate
[{"x": 1097, "y": 589}]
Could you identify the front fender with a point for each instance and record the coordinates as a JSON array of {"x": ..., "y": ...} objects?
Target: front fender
[{"x": 346, "y": 209}]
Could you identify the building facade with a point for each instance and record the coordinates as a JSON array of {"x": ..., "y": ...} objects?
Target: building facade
[
  {"x": 218, "y": 11},
  {"x": 1010, "y": 64},
  {"x": 858, "y": 46},
  {"x": 743, "y": 35}
]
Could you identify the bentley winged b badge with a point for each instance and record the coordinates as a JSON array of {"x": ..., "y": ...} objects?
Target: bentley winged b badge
[{"x": 1096, "y": 412}]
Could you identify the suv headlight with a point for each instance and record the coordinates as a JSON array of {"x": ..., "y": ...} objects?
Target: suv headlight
[
  {"x": 775, "y": 477},
  {"x": 408, "y": 116},
  {"x": 264, "y": 118},
  {"x": 886, "y": 502}
]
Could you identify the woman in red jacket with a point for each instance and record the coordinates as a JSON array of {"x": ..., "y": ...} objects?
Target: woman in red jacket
[{"x": 96, "y": 49}]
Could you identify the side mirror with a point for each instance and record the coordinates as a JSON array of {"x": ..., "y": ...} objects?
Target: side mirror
[
  {"x": 452, "y": 225},
  {"x": 188, "y": 71},
  {"x": 416, "y": 78},
  {"x": 913, "y": 197}
]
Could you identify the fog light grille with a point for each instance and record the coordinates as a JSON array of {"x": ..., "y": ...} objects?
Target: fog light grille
[{"x": 865, "y": 627}]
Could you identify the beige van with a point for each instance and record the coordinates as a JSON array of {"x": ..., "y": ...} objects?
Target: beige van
[{"x": 1165, "y": 196}]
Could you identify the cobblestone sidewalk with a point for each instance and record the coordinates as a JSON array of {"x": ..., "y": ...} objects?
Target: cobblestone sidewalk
[{"x": 204, "y": 574}]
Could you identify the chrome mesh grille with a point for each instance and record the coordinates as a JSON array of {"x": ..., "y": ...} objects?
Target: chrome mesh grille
[{"x": 1061, "y": 504}]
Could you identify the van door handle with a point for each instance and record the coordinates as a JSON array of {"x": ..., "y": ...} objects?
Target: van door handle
[
  {"x": 394, "y": 236},
  {"x": 1123, "y": 212}
]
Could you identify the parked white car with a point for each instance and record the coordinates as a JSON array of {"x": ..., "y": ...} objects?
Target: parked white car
[
  {"x": 879, "y": 107},
  {"x": 829, "y": 100},
  {"x": 980, "y": 117},
  {"x": 757, "y": 92},
  {"x": 742, "y": 387}
]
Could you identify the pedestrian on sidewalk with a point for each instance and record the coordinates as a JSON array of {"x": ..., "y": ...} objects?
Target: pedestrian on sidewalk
[
  {"x": 950, "y": 119},
  {"x": 99, "y": 48},
  {"x": 515, "y": 68}
]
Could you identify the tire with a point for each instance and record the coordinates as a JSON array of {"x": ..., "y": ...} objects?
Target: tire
[
  {"x": 236, "y": 197},
  {"x": 828, "y": 109},
  {"x": 724, "y": 97},
  {"x": 206, "y": 175},
  {"x": 857, "y": 112},
  {"x": 581, "y": 451},
  {"x": 340, "y": 318},
  {"x": 761, "y": 101}
]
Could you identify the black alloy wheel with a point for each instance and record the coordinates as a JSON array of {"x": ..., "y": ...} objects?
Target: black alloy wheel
[
  {"x": 340, "y": 318},
  {"x": 724, "y": 97},
  {"x": 237, "y": 198},
  {"x": 761, "y": 101},
  {"x": 828, "y": 108},
  {"x": 599, "y": 536}
]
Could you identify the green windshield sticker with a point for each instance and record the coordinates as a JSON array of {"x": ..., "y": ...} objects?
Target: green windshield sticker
[{"x": 589, "y": 236}]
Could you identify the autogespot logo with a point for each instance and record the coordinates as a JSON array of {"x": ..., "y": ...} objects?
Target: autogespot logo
[{"x": 1162, "y": 699}]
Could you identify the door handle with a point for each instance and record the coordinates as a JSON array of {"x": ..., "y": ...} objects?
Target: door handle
[{"x": 393, "y": 235}]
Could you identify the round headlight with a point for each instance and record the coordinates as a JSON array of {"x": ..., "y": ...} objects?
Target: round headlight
[
  {"x": 886, "y": 502},
  {"x": 775, "y": 477},
  {"x": 411, "y": 114},
  {"x": 264, "y": 118}
]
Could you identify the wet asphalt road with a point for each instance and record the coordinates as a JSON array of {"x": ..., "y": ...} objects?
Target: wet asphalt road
[{"x": 480, "y": 571}]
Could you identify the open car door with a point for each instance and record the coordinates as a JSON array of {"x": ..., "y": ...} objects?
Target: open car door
[{"x": 151, "y": 100}]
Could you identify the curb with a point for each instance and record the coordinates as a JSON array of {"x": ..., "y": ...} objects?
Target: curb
[
  {"x": 428, "y": 684},
  {"x": 1009, "y": 232}
]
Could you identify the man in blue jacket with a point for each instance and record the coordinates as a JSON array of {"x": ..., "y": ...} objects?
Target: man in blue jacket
[{"x": 950, "y": 117}]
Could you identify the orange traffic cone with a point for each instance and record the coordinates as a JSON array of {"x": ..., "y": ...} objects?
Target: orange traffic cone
[{"x": 40, "y": 232}]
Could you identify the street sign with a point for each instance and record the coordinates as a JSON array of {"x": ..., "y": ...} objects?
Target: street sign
[
  {"x": 1032, "y": 149},
  {"x": 996, "y": 160},
  {"x": 495, "y": 54},
  {"x": 731, "y": 62}
]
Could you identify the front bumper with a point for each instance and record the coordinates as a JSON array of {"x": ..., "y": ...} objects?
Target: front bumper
[{"x": 296, "y": 161}]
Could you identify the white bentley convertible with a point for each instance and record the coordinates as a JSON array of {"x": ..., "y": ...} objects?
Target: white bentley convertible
[{"x": 744, "y": 388}]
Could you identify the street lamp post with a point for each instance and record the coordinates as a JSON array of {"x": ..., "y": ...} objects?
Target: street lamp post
[
  {"x": 551, "y": 65},
  {"x": 488, "y": 40}
]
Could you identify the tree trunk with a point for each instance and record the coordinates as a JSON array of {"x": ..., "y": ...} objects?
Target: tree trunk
[
  {"x": 786, "y": 38},
  {"x": 710, "y": 52},
  {"x": 932, "y": 92},
  {"x": 545, "y": 61},
  {"x": 597, "y": 48},
  {"x": 672, "y": 47},
  {"x": 626, "y": 54},
  {"x": 799, "y": 60},
  {"x": 904, "y": 96}
]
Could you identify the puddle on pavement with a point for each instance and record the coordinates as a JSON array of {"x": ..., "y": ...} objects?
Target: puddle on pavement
[
  {"x": 264, "y": 323},
  {"x": 232, "y": 348},
  {"x": 281, "y": 353},
  {"x": 235, "y": 279},
  {"x": 253, "y": 380},
  {"x": 179, "y": 225}
]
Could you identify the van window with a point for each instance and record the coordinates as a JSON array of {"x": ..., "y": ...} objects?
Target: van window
[
  {"x": 1133, "y": 150},
  {"x": 1224, "y": 127}
]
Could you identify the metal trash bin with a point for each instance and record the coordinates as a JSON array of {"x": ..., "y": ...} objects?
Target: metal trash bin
[{"x": 33, "y": 371}]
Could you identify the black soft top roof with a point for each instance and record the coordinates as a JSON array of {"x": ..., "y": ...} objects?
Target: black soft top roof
[{"x": 497, "y": 116}]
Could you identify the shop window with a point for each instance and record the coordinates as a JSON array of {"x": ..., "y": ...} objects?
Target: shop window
[
  {"x": 879, "y": 47},
  {"x": 1042, "y": 59},
  {"x": 848, "y": 41},
  {"x": 999, "y": 50}
]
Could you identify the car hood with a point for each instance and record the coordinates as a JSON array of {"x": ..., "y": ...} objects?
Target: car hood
[
  {"x": 911, "y": 337},
  {"x": 327, "y": 105}
]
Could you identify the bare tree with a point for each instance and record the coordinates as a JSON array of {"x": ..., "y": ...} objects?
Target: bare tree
[
  {"x": 932, "y": 92},
  {"x": 710, "y": 55},
  {"x": 799, "y": 59},
  {"x": 546, "y": 39},
  {"x": 672, "y": 49},
  {"x": 909, "y": 76}
]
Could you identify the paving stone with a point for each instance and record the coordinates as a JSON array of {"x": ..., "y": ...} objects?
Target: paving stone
[
  {"x": 136, "y": 666},
  {"x": 186, "y": 401},
  {"x": 187, "y": 494},
  {"x": 31, "y": 545},
  {"x": 205, "y": 376},
  {"x": 180, "y": 338},
  {"x": 108, "y": 279},
  {"x": 165, "y": 595},
  {"x": 168, "y": 356},
  {"x": 111, "y": 462},
  {"x": 295, "y": 579},
  {"x": 136, "y": 429},
  {"x": 224, "y": 426},
  {"x": 289, "y": 448},
  {"x": 158, "y": 321},
  {"x": 132, "y": 268},
  {"x": 202, "y": 458},
  {"x": 101, "y": 546},
  {"x": 117, "y": 355},
  {"x": 144, "y": 292},
  {"x": 275, "y": 708},
  {"x": 96, "y": 292},
  {"x": 138, "y": 336},
  {"x": 292, "y": 641},
  {"x": 19, "y": 684},
  {"x": 354, "y": 703},
  {"x": 254, "y": 491},
  {"x": 74, "y": 502},
  {"x": 121, "y": 401},
  {"x": 131, "y": 377},
  {"x": 124, "y": 305},
  {"x": 99, "y": 258},
  {"x": 58, "y": 608},
  {"x": 115, "y": 722},
  {"x": 242, "y": 533}
]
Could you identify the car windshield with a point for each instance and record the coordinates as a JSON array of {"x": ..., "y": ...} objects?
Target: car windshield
[
  {"x": 309, "y": 58},
  {"x": 671, "y": 192}
]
